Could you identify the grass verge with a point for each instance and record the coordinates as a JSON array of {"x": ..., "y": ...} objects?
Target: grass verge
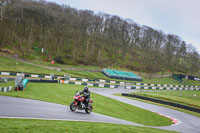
[
  {"x": 6, "y": 84},
  {"x": 99, "y": 75},
  {"x": 14, "y": 65},
  {"x": 170, "y": 81},
  {"x": 87, "y": 74},
  {"x": 186, "y": 97},
  {"x": 63, "y": 65},
  {"x": 167, "y": 106},
  {"x": 63, "y": 94},
  {"x": 46, "y": 126}
]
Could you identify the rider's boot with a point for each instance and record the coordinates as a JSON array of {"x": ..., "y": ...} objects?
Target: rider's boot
[
  {"x": 86, "y": 104},
  {"x": 83, "y": 106}
]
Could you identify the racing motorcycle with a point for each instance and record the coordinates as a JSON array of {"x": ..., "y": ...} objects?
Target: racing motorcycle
[{"x": 78, "y": 103}]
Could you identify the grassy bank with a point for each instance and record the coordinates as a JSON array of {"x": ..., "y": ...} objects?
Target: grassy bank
[
  {"x": 164, "y": 80},
  {"x": 87, "y": 74},
  {"x": 167, "y": 106},
  {"x": 186, "y": 97},
  {"x": 14, "y": 65},
  {"x": 46, "y": 126},
  {"x": 63, "y": 65},
  {"x": 6, "y": 84},
  {"x": 63, "y": 94},
  {"x": 99, "y": 75}
]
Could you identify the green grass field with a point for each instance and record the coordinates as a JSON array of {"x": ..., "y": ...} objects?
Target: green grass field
[
  {"x": 164, "y": 80},
  {"x": 99, "y": 75},
  {"x": 190, "y": 82},
  {"x": 62, "y": 65},
  {"x": 63, "y": 94},
  {"x": 46, "y": 126},
  {"x": 6, "y": 84},
  {"x": 170, "y": 81},
  {"x": 167, "y": 106},
  {"x": 13, "y": 65},
  {"x": 187, "y": 97},
  {"x": 87, "y": 74}
]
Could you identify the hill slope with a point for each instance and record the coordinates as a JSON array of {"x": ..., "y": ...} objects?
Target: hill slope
[{"x": 74, "y": 36}]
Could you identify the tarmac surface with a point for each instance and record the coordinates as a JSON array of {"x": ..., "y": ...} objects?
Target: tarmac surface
[
  {"x": 185, "y": 122},
  {"x": 11, "y": 107}
]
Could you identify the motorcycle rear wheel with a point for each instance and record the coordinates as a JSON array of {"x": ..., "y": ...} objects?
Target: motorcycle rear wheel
[
  {"x": 89, "y": 109},
  {"x": 72, "y": 106}
]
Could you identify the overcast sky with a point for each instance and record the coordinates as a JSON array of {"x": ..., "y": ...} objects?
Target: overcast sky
[{"x": 179, "y": 17}]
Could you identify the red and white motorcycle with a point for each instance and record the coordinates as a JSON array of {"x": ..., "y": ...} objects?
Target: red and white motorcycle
[{"x": 78, "y": 104}]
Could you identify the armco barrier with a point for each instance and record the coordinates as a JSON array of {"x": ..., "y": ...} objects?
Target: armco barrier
[
  {"x": 43, "y": 81},
  {"x": 128, "y": 85},
  {"x": 138, "y": 85},
  {"x": 143, "y": 84},
  {"x": 5, "y": 89},
  {"x": 180, "y": 87},
  {"x": 163, "y": 102},
  {"x": 29, "y": 75},
  {"x": 88, "y": 84},
  {"x": 159, "y": 88}
]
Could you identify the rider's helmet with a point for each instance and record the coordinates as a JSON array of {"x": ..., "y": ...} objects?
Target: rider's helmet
[{"x": 85, "y": 88}]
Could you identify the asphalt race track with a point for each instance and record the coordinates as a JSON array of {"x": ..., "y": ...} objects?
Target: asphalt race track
[
  {"x": 11, "y": 107},
  {"x": 186, "y": 123}
]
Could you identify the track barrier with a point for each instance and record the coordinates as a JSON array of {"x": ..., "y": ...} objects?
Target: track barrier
[
  {"x": 5, "y": 89},
  {"x": 42, "y": 81},
  {"x": 116, "y": 84},
  {"x": 163, "y": 102}
]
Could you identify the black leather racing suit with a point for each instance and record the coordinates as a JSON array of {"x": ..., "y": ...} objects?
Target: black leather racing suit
[{"x": 86, "y": 94}]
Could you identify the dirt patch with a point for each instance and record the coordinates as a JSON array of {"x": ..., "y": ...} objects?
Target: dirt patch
[{"x": 5, "y": 51}]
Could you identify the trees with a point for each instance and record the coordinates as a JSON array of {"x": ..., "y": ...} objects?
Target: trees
[
  {"x": 193, "y": 62},
  {"x": 4, "y": 30},
  {"x": 111, "y": 35},
  {"x": 169, "y": 51},
  {"x": 83, "y": 37}
]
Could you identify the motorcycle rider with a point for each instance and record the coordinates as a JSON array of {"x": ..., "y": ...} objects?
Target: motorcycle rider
[{"x": 86, "y": 94}]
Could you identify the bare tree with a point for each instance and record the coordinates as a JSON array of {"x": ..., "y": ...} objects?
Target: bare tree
[{"x": 83, "y": 37}]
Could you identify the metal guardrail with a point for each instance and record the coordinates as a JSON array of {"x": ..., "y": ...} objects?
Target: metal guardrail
[
  {"x": 129, "y": 85},
  {"x": 163, "y": 102},
  {"x": 5, "y": 89},
  {"x": 126, "y": 87}
]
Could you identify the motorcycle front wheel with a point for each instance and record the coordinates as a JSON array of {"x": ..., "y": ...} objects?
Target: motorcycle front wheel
[
  {"x": 72, "y": 106},
  {"x": 89, "y": 109}
]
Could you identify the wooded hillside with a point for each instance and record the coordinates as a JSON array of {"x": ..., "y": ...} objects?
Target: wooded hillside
[{"x": 82, "y": 37}]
